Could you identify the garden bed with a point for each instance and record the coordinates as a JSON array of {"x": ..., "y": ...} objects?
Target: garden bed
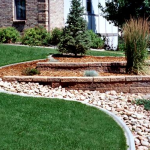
[{"x": 70, "y": 78}]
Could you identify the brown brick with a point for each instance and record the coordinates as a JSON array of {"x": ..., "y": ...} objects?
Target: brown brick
[
  {"x": 103, "y": 90},
  {"x": 55, "y": 85},
  {"x": 9, "y": 78},
  {"x": 131, "y": 78},
  {"x": 53, "y": 79},
  {"x": 122, "y": 89},
  {"x": 139, "y": 89},
  {"x": 94, "y": 64},
  {"x": 117, "y": 79},
  {"x": 24, "y": 78},
  {"x": 146, "y": 78},
  {"x": 39, "y": 79},
  {"x": 101, "y": 79},
  {"x": 76, "y": 79}
]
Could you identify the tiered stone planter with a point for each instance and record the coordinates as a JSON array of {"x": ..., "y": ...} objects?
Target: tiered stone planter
[
  {"x": 126, "y": 84},
  {"x": 118, "y": 67}
]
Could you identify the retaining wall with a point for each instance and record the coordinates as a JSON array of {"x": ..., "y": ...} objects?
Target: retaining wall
[
  {"x": 127, "y": 84},
  {"x": 118, "y": 67}
]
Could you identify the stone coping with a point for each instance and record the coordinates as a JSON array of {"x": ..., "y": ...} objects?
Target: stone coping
[
  {"x": 127, "y": 132},
  {"x": 77, "y": 79},
  {"x": 80, "y": 64}
]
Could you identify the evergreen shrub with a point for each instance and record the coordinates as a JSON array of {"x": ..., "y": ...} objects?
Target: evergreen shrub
[
  {"x": 9, "y": 35},
  {"x": 75, "y": 38},
  {"x": 55, "y": 36},
  {"x": 37, "y": 36},
  {"x": 136, "y": 33},
  {"x": 96, "y": 41}
]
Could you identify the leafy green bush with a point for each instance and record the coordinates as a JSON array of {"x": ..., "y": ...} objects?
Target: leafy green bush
[
  {"x": 96, "y": 41},
  {"x": 144, "y": 102},
  {"x": 121, "y": 44},
  {"x": 136, "y": 33},
  {"x": 55, "y": 36},
  {"x": 30, "y": 71},
  {"x": 9, "y": 35},
  {"x": 91, "y": 73},
  {"x": 37, "y": 36}
]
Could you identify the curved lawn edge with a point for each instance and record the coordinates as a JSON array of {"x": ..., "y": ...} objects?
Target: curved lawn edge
[
  {"x": 30, "y": 61},
  {"x": 129, "y": 137}
]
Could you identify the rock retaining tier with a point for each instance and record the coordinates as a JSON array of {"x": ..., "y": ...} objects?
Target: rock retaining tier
[
  {"x": 113, "y": 67},
  {"x": 125, "y": 84}
]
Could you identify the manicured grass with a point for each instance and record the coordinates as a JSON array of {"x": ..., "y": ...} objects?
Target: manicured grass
[
  {"x": 14, "y": 54},
  {"x": 50, "y": 124},
  {"x": 106, "y": 53}
]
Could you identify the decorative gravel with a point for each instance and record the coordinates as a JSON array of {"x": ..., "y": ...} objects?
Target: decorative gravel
[{"x": 121, "y": 104}]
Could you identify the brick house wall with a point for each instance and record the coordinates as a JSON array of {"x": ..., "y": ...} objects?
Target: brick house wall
[
  {"x": 47, "y": 13},
  {"x": 56, "y": 15}
]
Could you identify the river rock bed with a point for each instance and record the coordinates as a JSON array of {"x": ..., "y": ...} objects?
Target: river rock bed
[{"x": 121, "y": 104}]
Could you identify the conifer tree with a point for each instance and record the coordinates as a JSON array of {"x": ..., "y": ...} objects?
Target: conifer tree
[{"x": 75, "y": 38}]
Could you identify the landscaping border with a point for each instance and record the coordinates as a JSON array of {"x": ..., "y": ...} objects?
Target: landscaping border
[
  {"x": 113, "y": 67},
  {"x": 125, "y": 84},
  {"x": 127, "y": 132}
]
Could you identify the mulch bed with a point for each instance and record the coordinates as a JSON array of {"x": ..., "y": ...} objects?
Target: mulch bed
[{"x": 16, "y": 70}]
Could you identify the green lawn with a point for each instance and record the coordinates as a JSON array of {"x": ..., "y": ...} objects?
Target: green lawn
[
  {"x": 14, "y": 54},
  {"x": 28, "y": 123}
]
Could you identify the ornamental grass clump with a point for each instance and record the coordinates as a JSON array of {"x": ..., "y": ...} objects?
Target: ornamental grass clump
[{"x": 136, "y": 33}]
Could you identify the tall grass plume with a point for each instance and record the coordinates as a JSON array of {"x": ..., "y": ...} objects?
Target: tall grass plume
[{"x": 136, "y": 36}]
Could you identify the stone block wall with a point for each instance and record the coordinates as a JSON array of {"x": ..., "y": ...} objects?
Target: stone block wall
[
  {"x": 127, "y": 84},
  {"x": 56, "y": 14},
  {"x": 119, "y": 67},
  {"x": 38, "y": 12}
]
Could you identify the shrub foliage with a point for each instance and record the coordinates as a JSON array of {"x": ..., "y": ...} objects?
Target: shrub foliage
[
  {"x": 96, "y": 41},
  {"x": 75, "y": 38},
  {"x": 55, "y": 36},
  {"x": 9, "y": 35},
  {"x": 136, "y": 32},
  {"x": 37, "y": 36},
  {"x": 30, "y": 71}
]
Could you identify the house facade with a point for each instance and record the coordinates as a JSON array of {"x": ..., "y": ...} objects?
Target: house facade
[{"x": 23, "y": 14}]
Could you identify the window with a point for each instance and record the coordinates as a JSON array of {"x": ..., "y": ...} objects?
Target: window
[
  {"x": 20, "y": 10},
  {"x": 89, "y": 6}
]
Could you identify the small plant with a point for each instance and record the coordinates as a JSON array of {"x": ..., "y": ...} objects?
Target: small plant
[
  {"x": 55, "y": 36},
  {"x": 37, "y": 36},
  {"x": 30, "y": 71},
  {"x": 52, "y": 59},
  {"x": 91, "y": 73},
  {"x": 96, "y": 41},
  {"x": 136, "y": 36},
  {"x": 9, "y": 35},
  {"x": 144, "y": 102}
]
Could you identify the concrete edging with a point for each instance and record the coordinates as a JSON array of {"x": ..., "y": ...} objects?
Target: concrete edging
[{"x": 127, "y": 132}]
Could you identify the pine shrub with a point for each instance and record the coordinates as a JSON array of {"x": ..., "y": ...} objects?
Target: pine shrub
[
  {"x": 9, "y": 35},
  {"x": 55, "y": 36},
  {"x": 96, "y": 41},
  {"x": 136, "y": 33},
  {"x": 75, "y": 38},
  {"x": 37, "y": 36}
]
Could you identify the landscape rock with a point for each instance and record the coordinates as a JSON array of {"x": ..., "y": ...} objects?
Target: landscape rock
[{"x": 121, "y": 104}]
